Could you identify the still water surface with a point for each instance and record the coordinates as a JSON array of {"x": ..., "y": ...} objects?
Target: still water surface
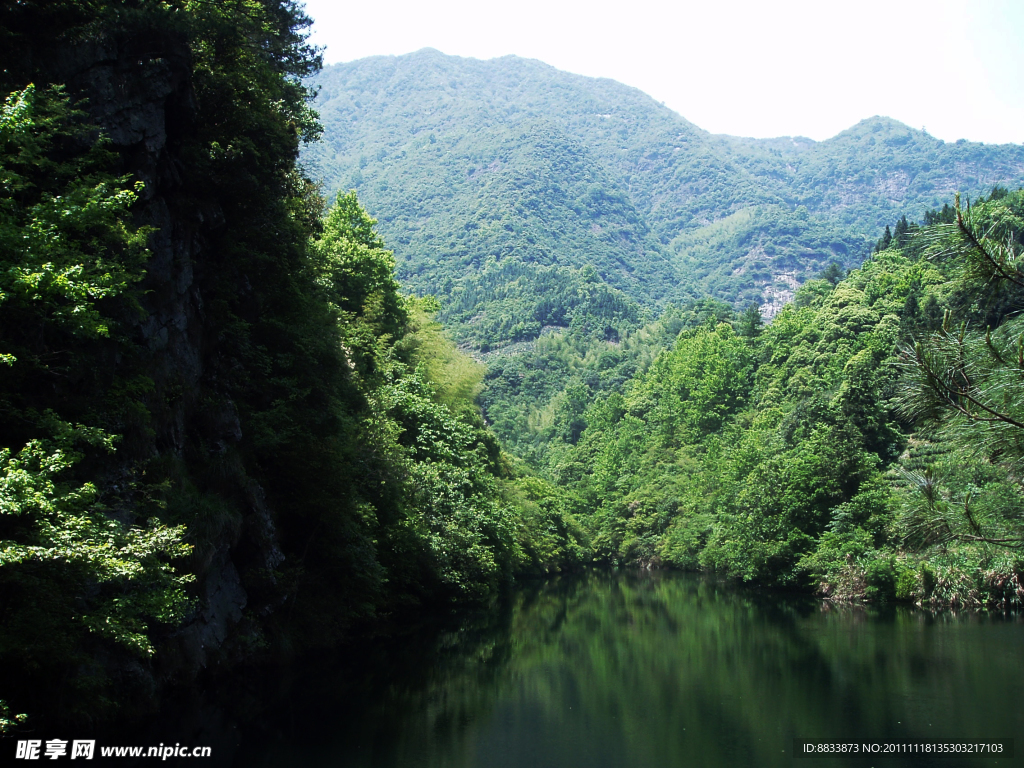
[{"x": 627, "y": 670}]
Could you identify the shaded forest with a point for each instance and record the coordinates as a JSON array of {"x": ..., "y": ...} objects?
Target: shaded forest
[{"x": 228, "y": 434}]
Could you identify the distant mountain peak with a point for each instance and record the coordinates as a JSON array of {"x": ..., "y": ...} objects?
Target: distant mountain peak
[{"x": 882, "y": 124}]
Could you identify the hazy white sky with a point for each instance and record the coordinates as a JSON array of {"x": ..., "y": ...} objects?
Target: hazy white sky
[{"x": 762, "y": 69}]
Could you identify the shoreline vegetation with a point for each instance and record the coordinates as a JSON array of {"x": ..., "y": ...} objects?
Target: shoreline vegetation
[{"x": 229, "y": 435}]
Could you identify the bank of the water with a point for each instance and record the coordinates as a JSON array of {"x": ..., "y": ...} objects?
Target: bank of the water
[{"x": 625, "y": 669}]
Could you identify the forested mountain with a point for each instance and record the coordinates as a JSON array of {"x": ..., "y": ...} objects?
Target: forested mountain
[
  {"x": 485, "y": 171},
  {"x": 556, "y": 215}
]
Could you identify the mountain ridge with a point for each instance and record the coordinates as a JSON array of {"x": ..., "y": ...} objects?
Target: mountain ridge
[{"x": 778, "y": 209}]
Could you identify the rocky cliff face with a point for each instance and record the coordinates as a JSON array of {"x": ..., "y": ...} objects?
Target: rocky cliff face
[{"x": 137, "y": 88}]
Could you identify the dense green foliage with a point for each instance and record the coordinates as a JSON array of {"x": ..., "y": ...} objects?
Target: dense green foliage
[
  {"x": 823, "y": 451},
  {"x": 69, "y": 263},
  {"x": 536, "y": 391},
  {"x": 267, "y": 418}
]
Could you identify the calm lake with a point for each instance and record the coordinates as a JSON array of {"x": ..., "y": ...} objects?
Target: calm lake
[{"x": 637, "y": 669}]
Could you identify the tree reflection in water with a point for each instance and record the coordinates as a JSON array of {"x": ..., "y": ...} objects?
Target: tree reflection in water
[{"x": 637, "y": 669}]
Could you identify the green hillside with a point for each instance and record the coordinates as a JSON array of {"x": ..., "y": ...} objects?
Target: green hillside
[
  {"x": 475, "y": 166},
  {"x": 865, "y": 443},
  {"x": 555, "y": 216}
]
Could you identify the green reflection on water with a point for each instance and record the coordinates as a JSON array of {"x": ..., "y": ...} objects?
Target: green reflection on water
[{"x": 659, "y": 670}]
